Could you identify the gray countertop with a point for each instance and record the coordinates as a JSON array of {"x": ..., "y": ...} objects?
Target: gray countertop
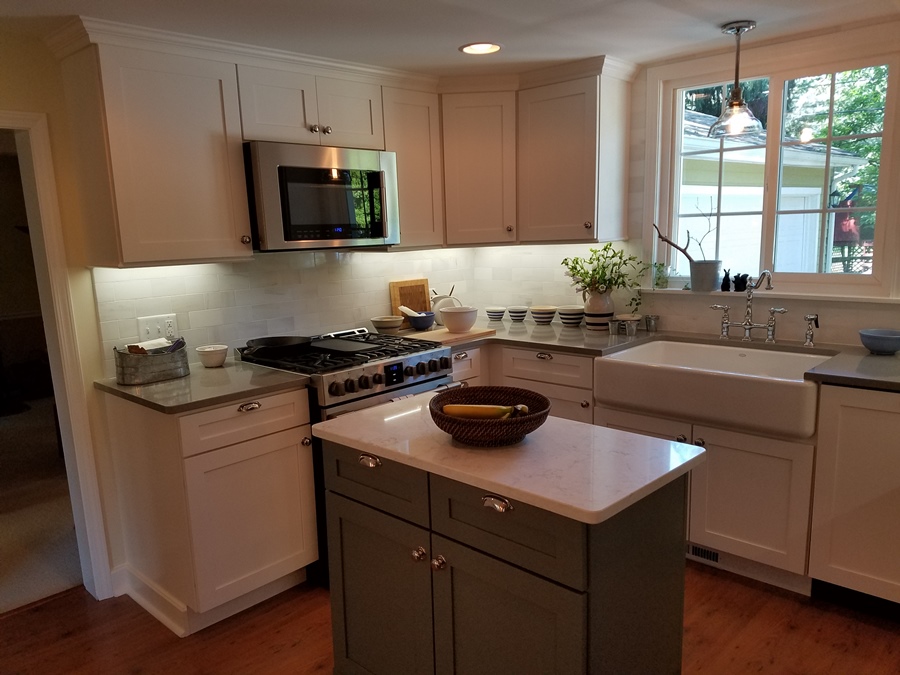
[
  {"x": 205, "y": 387},
  {"x": 851, "y": 366}
]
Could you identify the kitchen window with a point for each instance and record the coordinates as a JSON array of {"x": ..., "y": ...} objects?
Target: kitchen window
[{"x": 805, "y": 198}]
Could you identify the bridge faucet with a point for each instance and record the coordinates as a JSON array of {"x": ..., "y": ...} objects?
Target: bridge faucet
[{"x": 747, "y": 324}]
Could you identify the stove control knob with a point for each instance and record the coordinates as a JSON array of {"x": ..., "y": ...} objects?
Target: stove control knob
[
  {"x": 365, "y": 382},
  {"x": 378, "y": 378},
  {"x": 336, "y": 389},
  {"x": 421, "y": 368},
  {"x": 409, "y": 371},
  {"x": 350, "y": 385},
  {"x": 446, "y": 364},
  {"x": 433, "y": 366}
]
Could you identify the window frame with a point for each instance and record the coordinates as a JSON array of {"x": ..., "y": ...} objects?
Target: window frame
[{"x": 806, "y": 57}]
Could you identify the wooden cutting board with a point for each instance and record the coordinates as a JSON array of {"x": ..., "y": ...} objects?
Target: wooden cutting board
[
  {"x": 412, "y": 293},
  {"x": 444, "y": 336}
]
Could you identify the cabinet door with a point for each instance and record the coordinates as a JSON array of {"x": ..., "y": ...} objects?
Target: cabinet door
[
  {"x": 177, "y": 168},
  {"x": 540, "y": 627},
  {"x": 671, "y": 430},
  {"x": 350, "y": 113},
  {"x": 412, "y": 129},
  {"x": 479, "y": 132},
  {"x": 380, "y": 591},
  {"x": 278, "y": 105},
  {"x": 557, "y": 170},
  {"x": 569, "y": 403},
  {"x": 252, "y": 514},
  {"x": 854, "y": 539},
  {"x": 467, "y": 365},
  {"x": 751, "y": 497}
]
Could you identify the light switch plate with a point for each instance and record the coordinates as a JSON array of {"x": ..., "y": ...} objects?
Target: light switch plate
[{"x": 159, "y": 326}]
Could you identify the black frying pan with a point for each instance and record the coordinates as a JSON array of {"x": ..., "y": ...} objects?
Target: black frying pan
[{"x": 270, "y": 347}]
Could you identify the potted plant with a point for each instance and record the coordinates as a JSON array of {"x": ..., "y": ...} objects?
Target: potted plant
[
  {"x": 706, "y": 275},
  {"x": 596, "y": 276}
]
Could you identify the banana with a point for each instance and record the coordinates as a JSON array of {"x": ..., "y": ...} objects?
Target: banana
[{"x": 483, "y": 411}]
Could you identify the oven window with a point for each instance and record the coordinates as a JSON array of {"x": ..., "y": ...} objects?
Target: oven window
[{"x": 330, "y": 203}]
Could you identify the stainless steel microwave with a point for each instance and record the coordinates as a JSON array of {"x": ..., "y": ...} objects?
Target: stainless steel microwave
[{"x": 309, "y": 196}]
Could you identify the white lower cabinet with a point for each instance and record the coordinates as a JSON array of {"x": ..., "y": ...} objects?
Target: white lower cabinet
[
  {"x": 467, "y": 367},
  {"x": 751, "y": 498},
  {"x": 217, "y": 507},
  {"x": 854, "y": 540},
  {"x": 566, "y": 379}
]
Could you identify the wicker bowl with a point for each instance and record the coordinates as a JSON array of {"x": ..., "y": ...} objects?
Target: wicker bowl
[{"x": 490, "y": 432}]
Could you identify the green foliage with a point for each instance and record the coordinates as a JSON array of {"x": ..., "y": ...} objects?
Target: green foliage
[{"x": 605, "y": 269}]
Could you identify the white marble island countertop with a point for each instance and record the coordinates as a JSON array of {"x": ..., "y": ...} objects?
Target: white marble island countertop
[{"x": 577, "y": 470}]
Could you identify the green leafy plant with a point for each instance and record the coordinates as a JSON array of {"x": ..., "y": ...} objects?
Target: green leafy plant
[
  {"x": 606, "y": 269},
  {"x": 660, "y": 275}
]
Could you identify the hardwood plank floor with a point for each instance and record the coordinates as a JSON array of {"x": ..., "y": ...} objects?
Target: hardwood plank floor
[{"x": 732, "y": 626}]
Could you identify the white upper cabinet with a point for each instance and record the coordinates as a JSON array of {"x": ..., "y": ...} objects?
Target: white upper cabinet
[
  {"x": 572, "y": 160},
  {"x": 412, "y": 129},
  {"x": 296, "y": 107},
  {"x": 159, "y": 144},
  {"x": 479, "y": 132}
]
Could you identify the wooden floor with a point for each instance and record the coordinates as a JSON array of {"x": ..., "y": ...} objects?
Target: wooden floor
[{"x": 732, "y": 626}]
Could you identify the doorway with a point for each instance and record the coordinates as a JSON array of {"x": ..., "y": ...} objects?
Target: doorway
[{"x": 38, "y": 548}]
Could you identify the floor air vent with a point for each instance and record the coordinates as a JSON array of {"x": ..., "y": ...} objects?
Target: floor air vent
[{"x": 705, "y": 553}]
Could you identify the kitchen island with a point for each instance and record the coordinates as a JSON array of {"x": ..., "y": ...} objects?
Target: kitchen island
[{"x": 563, "y": 553}]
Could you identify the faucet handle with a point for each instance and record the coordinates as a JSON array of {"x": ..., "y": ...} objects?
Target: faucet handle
[
  {"x": 774, "y": 310},
  {"x": 724, "y": 308},
  {"x": 812, "y": 319}
]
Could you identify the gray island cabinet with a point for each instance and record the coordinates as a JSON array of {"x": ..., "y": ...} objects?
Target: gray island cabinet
[{"x": 561, "y": 554}]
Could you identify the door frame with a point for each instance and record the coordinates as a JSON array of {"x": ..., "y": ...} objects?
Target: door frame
[{"x": 57, "y": 311}]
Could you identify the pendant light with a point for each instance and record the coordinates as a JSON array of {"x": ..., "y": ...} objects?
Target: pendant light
[{"x": 736, "y": 118}]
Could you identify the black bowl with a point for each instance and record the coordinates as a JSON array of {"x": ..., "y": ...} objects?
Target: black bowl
[{"x": 490, "y": 432}]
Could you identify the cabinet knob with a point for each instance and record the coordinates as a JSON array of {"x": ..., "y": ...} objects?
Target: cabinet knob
[
  {"x": 306, "y": 440},
  {"x": 326, "y": 130},
  {"x": 544, "y": 356},
  {"x": 681, "y": 438},
  {"x": 499, "y": 504},
  {"x": 439, "y": 563},
  {"x": 509, "y": 228},
  {"x": 419, "y": 554},
  {"x": 585, "y": 404},
  {"x": 247, "y": 407},
  {"x": 588, "y": 224},
  {"x": 245, "y": 239},
  {"x": 700, "y": 443},
  {"x": 369, "y": 461},
  {"x": 314, "y": 129}
]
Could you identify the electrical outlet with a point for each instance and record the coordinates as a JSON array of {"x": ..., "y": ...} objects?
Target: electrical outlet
[{"x": 159, "y": 326}]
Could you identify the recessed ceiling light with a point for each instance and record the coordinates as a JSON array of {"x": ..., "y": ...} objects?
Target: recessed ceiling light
[{"x": 480, "y": 48}]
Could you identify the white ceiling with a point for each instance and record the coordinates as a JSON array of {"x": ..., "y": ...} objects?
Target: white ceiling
[{"x": 424, "y": 35}]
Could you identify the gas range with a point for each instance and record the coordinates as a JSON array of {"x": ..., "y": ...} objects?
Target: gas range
[{"x": 351, "y": 365}]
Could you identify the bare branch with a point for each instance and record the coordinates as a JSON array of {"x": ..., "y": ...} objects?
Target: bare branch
[{"x": 672, "y": 243}]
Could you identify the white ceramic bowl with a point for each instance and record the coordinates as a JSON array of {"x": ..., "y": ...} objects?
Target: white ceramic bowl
[
  {"x": 543, "y": 314},
  {"x": 459, "y": 319},
  {"x": 571, "y": 315},
  {"x": 517, "y": 312},
  {"x": 212, "y": 356},
  {"x": 495, "y": 313},
  {"x": 386, "y": 324}
]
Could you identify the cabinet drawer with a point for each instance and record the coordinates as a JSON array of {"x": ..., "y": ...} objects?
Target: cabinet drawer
[
  {"x": 391, "y": 487},
  {"x": 546, "y": 366},
  {"x": 539, "y": 541},
  {"x": 466, "y": 364},
  {"x": 242, "y": 420}
]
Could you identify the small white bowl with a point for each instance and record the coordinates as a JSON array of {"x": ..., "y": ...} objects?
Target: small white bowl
[
  {"x": 386, "y": 324},
  {"x": 459, "y": 319},
  {"x": 571, "y": 315},
  {"x": 212, "y": 356},
  {"x": 543, "y": 314},
  {"x": 495, "y": 313},
  {"x": 517, "y": 312}
]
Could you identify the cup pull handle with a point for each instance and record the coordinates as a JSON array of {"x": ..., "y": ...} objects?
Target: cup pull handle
[
  {"x": 499, "y": 504},
  {"x": 369, "y": 461},
  {"x": 247, "y": 407}
]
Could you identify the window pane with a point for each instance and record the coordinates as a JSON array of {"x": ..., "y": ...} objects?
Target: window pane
[
  {"x": 807, "y": 106},
  {"x": 740, "y": 241},
  {"x": 854, "y": 172},
  {"x": 743, "y": 179},
  {"x": 859, "y": 101},
  {"x": 797, "y": 240}
]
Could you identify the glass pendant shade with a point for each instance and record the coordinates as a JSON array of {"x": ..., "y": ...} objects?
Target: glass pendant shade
[{"x": 736, "y": 118}]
